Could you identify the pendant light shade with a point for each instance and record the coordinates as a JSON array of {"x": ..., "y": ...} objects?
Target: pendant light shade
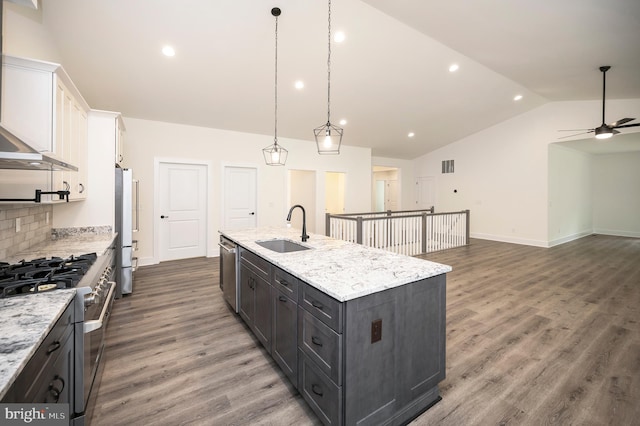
[
  {"x": 328, "y": 137},
  {"x": 275, "y": 155}
]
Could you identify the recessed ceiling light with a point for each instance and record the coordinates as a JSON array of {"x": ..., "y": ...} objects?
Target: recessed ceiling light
[
  {"x": 339, "y": 37},
  {"x": 453, "y": 67},
  {"x": 343, "y": 122},
  {"x": 168, "y": 51},
  {"x": 411, "y": 134},
  {"x": 517, "y": 97},
  {"x": 299, "y": 84}
]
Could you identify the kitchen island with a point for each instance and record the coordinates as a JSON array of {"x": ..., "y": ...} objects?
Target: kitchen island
[{"x": 360, "y": 332}]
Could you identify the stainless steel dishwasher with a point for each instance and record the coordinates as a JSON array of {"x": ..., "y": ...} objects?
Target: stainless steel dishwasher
[{"x": 228, "y": 267}]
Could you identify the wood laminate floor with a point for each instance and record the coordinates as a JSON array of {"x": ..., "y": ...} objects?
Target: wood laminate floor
[{"x": 534, "y": 336}]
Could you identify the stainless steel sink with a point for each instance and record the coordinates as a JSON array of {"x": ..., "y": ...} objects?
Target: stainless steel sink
[{"x": 282, "y": 245}]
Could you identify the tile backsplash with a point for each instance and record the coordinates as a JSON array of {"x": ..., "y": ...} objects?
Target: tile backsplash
[{"x": 35, "y": 227}]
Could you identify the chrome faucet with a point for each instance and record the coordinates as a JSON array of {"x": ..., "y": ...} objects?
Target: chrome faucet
[{"x": 305, "y": 237}]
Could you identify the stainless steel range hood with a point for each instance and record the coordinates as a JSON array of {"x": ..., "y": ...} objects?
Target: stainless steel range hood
[{"x": 16, "y": 154}]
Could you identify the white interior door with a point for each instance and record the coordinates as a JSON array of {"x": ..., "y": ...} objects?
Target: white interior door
[
  {"x": 426, "y": 193},
  {"x": 183, "y": 210},
  {"x": 240, "y": 197},
  {"x": 391, "y": 195}
]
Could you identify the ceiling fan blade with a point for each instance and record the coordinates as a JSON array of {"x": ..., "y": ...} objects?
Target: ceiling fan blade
[
  {"x": 575, "y": 130},
  {"x": 628, "y": 125},
  {"x": 621, "y": 121},
  {"x": 578, "y": 134}
]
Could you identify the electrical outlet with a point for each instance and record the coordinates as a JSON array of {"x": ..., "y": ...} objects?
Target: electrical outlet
[
  {"x": 376, "y": 330},
  {"x": 17, "y": 224}
]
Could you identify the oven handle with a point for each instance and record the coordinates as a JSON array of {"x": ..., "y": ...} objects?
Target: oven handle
[{"x": 93, "y": 325}]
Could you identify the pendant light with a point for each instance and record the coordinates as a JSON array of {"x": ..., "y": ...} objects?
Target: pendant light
[
  {"x": 328, "y": 137},
  {"x": 275, "y": 155}
]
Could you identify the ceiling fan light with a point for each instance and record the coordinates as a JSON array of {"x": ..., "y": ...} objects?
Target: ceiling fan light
[{"x": 604, "y": 132}]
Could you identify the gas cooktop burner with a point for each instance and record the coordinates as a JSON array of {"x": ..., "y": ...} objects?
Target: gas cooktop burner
[{"x": 38, "y": 275}]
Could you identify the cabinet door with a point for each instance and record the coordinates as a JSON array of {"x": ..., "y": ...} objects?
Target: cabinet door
[
  {"x": 27, "y": 96},
  {"x": 424, "y": 346},
  {"x": 285, "y": 334},
  {"x": 262, "y": 318},
  {"x": 246, "y": 295},
  {"x": 57, "y": 385}
]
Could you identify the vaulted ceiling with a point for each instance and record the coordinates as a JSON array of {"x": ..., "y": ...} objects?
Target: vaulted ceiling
[{"x": 390, "y": 76}]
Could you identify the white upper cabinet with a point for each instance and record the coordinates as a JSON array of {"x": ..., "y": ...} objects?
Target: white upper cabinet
[{"x": 42, "y": 106}]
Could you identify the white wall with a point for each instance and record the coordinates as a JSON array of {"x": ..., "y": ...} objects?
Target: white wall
[
  {"x": 570, "y": 194},
  {"x": 616, "y": 194},
  {"x": 26, "y": 36},
  {"x": 501, "y": 173},
  {"x": 147, "y": 140}
]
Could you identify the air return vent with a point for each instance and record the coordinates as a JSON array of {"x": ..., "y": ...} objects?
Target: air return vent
[{"x": 447, "y": 166}]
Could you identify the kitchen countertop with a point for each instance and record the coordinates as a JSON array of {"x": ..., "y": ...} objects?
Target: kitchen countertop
[
  {"x": 341, "y": 269},
  {"x": 26, "y": 320}
]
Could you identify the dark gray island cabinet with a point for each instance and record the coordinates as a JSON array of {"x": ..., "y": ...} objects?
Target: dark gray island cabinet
[{"x": 369, "y": 360}]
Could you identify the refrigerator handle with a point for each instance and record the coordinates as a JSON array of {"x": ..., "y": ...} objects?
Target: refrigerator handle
[{"x": 137, "y": 186}]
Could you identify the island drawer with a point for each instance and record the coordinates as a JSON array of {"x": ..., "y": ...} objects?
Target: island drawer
[
  {"x": 286, "y": 283},
  {"x": 321, "y": 344},
  {"x": 322, "y": 395},
  {"x": 255, "y": 262},
  {"x": 325, "y": 308}
]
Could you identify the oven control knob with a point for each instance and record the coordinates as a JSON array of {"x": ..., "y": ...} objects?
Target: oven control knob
[{"x": 89, "y": 299}]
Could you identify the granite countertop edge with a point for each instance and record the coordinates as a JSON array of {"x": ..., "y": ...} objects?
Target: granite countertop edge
[
  {"x": 345, "y": 270},
  {"x": 24, "y": 324}
]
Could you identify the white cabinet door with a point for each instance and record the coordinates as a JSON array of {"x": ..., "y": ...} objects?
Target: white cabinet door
[{"x": 27, "y": 102}]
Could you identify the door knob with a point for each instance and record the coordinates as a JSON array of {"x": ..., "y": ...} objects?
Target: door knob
[
  {"x": 252, "y": 213},
  {"x": 164, "y": 217}
]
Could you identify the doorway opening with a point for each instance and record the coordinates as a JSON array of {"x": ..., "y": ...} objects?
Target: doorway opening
[{"x": 386, "y": 182}]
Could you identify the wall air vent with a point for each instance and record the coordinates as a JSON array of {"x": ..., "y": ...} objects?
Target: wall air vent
[{"x": 447, "y": 166}]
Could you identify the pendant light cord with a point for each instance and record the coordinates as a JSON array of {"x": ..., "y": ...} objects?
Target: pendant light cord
[
  {"x": 329, "y": 71},
  {"x": 275, "y": 132}
]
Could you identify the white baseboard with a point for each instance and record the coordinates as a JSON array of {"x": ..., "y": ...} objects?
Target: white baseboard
[
  {"x": 568, "y": 238},
  {"x": 617, "y": 233},
  {"x": 146, "y": 261},
  {"x": 514, "y": 240}
]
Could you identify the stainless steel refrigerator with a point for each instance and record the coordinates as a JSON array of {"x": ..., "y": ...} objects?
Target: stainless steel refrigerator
[{"x": 126, "y": 223}]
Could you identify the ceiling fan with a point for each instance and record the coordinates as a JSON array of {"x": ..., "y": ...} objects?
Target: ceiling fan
[{"x": 605, "y": 131}]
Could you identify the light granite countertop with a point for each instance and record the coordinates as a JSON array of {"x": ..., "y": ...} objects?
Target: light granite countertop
[
  {"x": 341, "y": 269},
  {"x": 26, "y": 320}
]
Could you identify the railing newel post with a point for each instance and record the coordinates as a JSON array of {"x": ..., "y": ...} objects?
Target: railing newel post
[
  {"x": 327, "y": 225},
  {"x": 468, "y": 226},
  {"x": 359, "y": 230}
]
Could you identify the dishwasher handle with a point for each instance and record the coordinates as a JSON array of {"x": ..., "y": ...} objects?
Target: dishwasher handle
[{"x": 226, "y": 248}]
